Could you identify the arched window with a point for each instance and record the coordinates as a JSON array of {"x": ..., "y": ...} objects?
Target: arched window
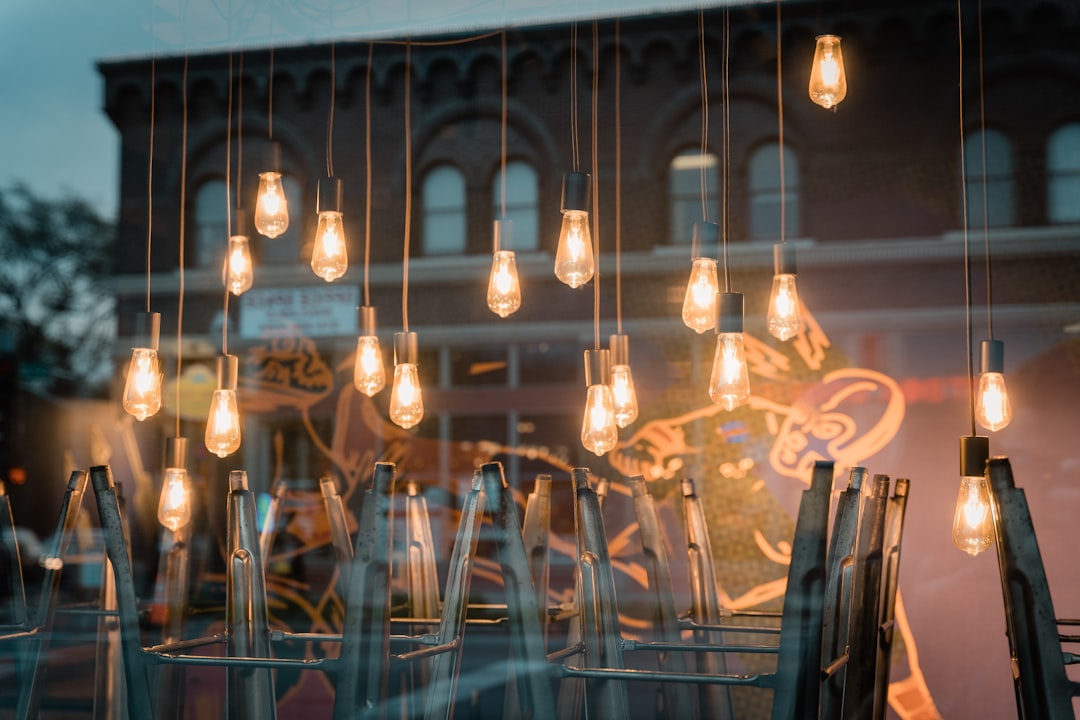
[
  {"x": 1063, "y": 175},
  {"x": 211, "y": 223},
  {"x": 444, "y": 211},
  {"x": 684, "y": 192},
  {"x": 522, "y": 201},
  {"x": 1000, "y": 204},
  {"x": 285, "y": 248},
  {"x": 764, "y": 185}
]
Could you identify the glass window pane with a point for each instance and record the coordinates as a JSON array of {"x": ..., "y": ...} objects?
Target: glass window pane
[
  {"x": 764, "y": 184},
  {"x": 684, "y": 192},
  {"x": 211, "y": 223},
  {"x": 522, "y": 198},
  {"x": 1063, "y": 165},
  {"x": 478, "y": 366},
  {"x": 444, "y": 211},
  {"x": 1000, "y": 210}
]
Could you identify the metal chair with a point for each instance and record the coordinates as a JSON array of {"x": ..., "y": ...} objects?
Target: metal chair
[
  {"x": 1043, "y": 690},
  {"x": 795, "y": 683}
]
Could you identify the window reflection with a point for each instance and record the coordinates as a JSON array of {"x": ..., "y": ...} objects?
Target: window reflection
[
  {"x": 522, "y": 197},
  {"x": 684, "y": 192},
  {"x": 444, "y": 211},
  {"x": 1063, "y": 174}
]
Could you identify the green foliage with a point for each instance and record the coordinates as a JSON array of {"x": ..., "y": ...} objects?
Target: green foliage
[{"x": 55, "y": 310}]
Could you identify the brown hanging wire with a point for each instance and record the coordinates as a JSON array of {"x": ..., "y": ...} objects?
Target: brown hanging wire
[
  {"x": 780, "y": 123},
  {"x": 183, "y": 216},
  {"x": 618, "y": 180},
  {"x": 694, "y": 250},
  {"x": 985, "y": 211},
  {"x": 596, "y": 183},
  {"x": 150, "y": 179},
  {"x": 367, "y": 187},
  {"x": 726, "y": 146},
  {"x": 408, "y": 189},
  {"x": 964, "y": 203},
  {"x": 574, "y": 134},
  {"x": 502, "y": 126},
  {"x": 228, "y": 209}
]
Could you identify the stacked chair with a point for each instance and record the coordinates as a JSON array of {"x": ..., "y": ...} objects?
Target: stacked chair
[
  {"x": 834, "y": 638},
  {"x": 1043, "y": 689}
]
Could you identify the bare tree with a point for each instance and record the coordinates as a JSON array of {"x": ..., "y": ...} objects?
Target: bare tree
[{"x": 54, "y": 306}]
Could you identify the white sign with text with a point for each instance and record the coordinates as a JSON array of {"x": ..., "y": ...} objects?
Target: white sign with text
[{"x": 324, "y": 311}]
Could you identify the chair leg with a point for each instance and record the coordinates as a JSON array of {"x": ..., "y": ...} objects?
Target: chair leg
[{"x": 894, "y": 530}]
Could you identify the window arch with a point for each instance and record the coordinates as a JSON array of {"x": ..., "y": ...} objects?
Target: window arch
[
  {"x": 444, "y": 211},
  {"x": 1000, "y": 202},
  {"x": 211, "y": 222},
  {"x": 1063, "y": 174},
  {"x": 684, "y": 192},
  {"x": 522, "y": 203},
  {"x": 765, "y": 192}
]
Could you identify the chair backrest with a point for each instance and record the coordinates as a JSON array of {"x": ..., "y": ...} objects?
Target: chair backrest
[
  {"x": 1043, "y": 690},
  {"x": 444, "y": 667},
  {"x": 678, "y": 697},
  {"x": 536, "y": 534},
  {"x": 339, "y": 531},
  {"x": 599, "y": 614},
  {"x": 12, "y": 563},
  {"x": 365, "y": 644},
  {"x": 798, "y": 668},
  {"x": 894, "y": 532},
  {"x": 705, "y": 607},
  {"x": 866, "y": 596},
  {"x": 838, "y": 593},
  {"x": 136, "y": 663},
  {"x": 527, "y": 649}
]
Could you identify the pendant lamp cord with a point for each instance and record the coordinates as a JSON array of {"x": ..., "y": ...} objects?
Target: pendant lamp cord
[
  {"x": 502, "y": 181},
  {"x": 694, "y": 250},
  {"x": 367, "y": 185},
  {"x": 780, "y": 124},
  {"x": 330, "y": 116},
  {"x": 408, "y": 188},
  {"x": 270, "y": 89},
  {"x": 228, "y": 211},
  {"x": 618, "y": 180},
  {"x": 183, "y": 217},
  {"x": 985, "y": 211},
  {"x": 596, "y": 183},
  {"x": 964, "y": 203},
  {"x": 575, "y": 148},
  {"x": 150, "y": 179},
  {"x": 726, "y": 146}
]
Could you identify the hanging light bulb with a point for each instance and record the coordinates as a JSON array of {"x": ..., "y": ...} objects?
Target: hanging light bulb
[
  {"x": 142, "y": 388},
  {"x": 993, "y": 410},
  {"x": 699, "y": 303},
  {"x": 271, "y": 206},
  {"x": 784, "y": 321},
  {"x": 238, "y": 273},
  {"x": 369, "y": 376},
  {"x": 729, "y": 385},
  {"x": 574, "y": 263},
  {"x": 329, "y": 256},
  {"x": 504, "y": 289},
  {"x": 406, "y": 397},
  {"x": 223, "y": 423},
  {"x": 599, "y": 432},
  {"x": 828, "y": 82},
  {"x": 624, "y": 395},
  {"x": 973, "y": 524},
  {"x": 174, "y": 506}
]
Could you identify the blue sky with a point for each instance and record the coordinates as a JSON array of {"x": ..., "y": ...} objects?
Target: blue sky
[{"x": 53, "y": 134}]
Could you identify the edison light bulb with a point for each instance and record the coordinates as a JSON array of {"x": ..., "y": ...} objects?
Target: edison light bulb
[
  {"x": 784, "y": 321},
  {"x": 142, "y": 389},
  {"x": 973, "y": 524},
  {"x": 623, "y": 393},
  {"x": 993, "y": 410},
  {"x": 174, "y": 507},
  {"x": 598, "y": 427},
  {"x": 406, "y": 397},
  {"x": 729, "y": 385},
  {"x": 238, "y": 268},
  {"x": 699, "y": 305},
  {"x": 271, "y": 207},
  {"x": 369, "y": 377},
  {"x": 574, "y": 258},
  {"x": 223, "y": 422},
  {"x": 504, "y": 290},
  {"x": 624, "y": 396},
  {"x": 329, "y": 257},
  {"x": 599, "y": 432},
  {"x": 828, "y": 83}
]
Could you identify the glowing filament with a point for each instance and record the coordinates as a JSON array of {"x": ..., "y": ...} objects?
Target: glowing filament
[
  {"x": 223, "y": 424},
  {"x": 239, "y": 274},
  {"x": 599, "y": 433},
  {"x": 699, "y": 304},
  {"x": 174, "y": 506},
  {"x": 784, "y": 321},
  {"x": 973, "y": 526},
  {"x": 406, "y": 397},
  {"x": 993, "y": 410},
  {"x": 504, "y": 289},
  {"x": 624, "y": 395}
]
